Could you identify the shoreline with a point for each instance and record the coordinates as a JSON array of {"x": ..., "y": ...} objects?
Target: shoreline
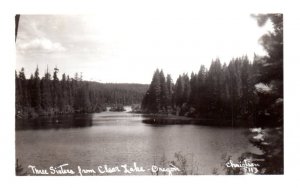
[
  {"x": 168, "y": 119},
  {"x": 160, "y": 119}
]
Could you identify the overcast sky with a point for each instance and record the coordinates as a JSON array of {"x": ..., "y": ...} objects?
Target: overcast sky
[{"x": 129, "y": 47}]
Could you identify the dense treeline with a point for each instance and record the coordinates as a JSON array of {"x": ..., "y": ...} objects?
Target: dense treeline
[
  {"x": 240, "y": 89},
  {"x": 223, "y": 91},
  {"x": 49, "y": 95}
]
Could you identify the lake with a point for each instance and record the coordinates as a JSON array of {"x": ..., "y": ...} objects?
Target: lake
[{"x": 117, "y": 138}]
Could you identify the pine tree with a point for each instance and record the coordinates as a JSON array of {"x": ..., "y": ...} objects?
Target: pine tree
[
  {"x": 56, "y": 91},
  {"x": 186, "y": 88},
  {"x": 214, "y": 87},
  {"x": 23, "y": 89},
  {"x": 18, "y": 88},
  {"x": 201, "y": 95},
  {"x": 46, "y": 91},
  {"x": 178, "y": 91},
  {"x": 194, "y": 89},
  {"x": 170, "y": 86},
  {"x": 271, "y": 104},
  {"x": 64, "y": 93},
  {"x": 36, "y": 91},
  {"x": 163, "y": 91},
  {"x": 154, "y": 93}
]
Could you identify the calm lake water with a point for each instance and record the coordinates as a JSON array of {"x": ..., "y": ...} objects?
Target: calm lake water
[{"x": 117, "y": 138}]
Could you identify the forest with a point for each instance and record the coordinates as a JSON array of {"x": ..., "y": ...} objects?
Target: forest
[
  {"x": 242, "y": 89},
  {"x": 50, "y": 95}
]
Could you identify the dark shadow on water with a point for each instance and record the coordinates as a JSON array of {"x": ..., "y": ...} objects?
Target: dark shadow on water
[
  {"x": 87, "y": 120},
  {"x": 55, "y": 122},
  {"x": 160, "y": 120}
]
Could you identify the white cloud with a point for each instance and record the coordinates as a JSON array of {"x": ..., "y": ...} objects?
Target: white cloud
[
  {"x": 131, "y": 46},
  {"x": 41, "y": 45}
]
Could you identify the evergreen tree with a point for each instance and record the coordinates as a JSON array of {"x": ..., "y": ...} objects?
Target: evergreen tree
[
  {"x": 154, "y": 93},
  {"x": 170, "y": 86},
  {"x": 56, "y": 91},
  {"x": 163, "y": 91},
  {"x": 36, "y": 91},
  {"x": 48, "y": 96},
  {"x": 178, "y": 91},
  {"x": 201, "y": 95},
  {"x": 213, "y": 83},
  {"x": 46, "y": 99},
  {"x": 64, "y": 93},
  {"x": 18, "y": 88},
  {"x": 23, "y": 89},
  {"x": 271, "y": 103},
  {"x": 194, "y": 89},
  {"x": 186, "y": 88}
]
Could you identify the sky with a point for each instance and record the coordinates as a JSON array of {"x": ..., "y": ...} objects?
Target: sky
[{"x": 128, "y": 47}]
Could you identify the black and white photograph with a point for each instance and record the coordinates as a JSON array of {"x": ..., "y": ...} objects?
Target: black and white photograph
[
  {"x": 149, "y": 94},
  {"x": 156, "y": 93}
]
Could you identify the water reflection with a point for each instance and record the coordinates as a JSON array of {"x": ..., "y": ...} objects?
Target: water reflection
[
  {"x": 55, "y": 122},
  {"x": 159, "y": 120},
  {"x": 116, "y": 138},
  {"x": 121, "y": 118}
]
